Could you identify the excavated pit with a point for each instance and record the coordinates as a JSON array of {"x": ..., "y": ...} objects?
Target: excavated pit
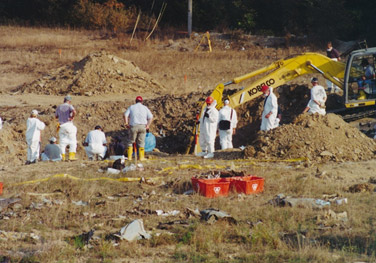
[{"x": 174, "y": 116}]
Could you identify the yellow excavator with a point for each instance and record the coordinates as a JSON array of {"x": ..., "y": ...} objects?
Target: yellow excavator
[{"x": 359, "y": 90}]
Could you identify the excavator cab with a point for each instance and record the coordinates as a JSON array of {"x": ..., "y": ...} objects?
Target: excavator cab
[{"x": 359, "y": 79}]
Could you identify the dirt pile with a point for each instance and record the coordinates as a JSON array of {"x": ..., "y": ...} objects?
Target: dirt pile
[
  {"x": 11, "y": 141},
  {"x": 97, "y": 73},
  {"x": 320, "y": 138}
]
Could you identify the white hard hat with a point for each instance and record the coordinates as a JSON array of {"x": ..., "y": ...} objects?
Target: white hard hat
[
  {"x": 227, "y": 102},
  {"x": 34, "y": 112},
  {"x": 52, "y": 139}
]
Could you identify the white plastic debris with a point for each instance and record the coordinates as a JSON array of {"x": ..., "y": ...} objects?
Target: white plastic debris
[
  {"x": 80, "y": 203},
  {"x": 134, "y": 231},
  {"x": 169, "y": 213},
  {"x": 113, "y": 171}
]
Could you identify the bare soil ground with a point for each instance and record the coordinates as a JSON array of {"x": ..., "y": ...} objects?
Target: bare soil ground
[{"x": 335, "y": 159}]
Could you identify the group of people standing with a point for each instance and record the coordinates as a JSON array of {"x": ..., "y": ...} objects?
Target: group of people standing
[
  {"x": 225, "y": 120},
  {"x": 137, "y": 119}
]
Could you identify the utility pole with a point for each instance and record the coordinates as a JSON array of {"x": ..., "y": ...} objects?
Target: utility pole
[{"x": 189, "y": 17}]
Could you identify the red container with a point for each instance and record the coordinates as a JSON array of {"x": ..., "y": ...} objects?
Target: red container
[
  {"x": 211, "y": 187},
  {"x": 248, "y": 184},
  {"x": 1, "y": 188}
]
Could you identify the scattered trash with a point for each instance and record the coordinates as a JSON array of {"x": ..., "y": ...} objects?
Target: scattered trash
[
  {"x": 331, "y": 215},
  {"x": 80, "y": 203},
  {"x": 117, "y": 157},
  {"x": 113, "y": 171},
  {"x": 341, "y": 201},
  {"x": 83, "y": 239},
  {"x": 119, "y": 164},
  {"x": 372, "y": 180},
  {"x": 133, "y": 167},
  {"x": 212, "y": 215},
  {"x": 169, "y": 213},
  {"x": 133, "y": 231},
  {"x": 12, "y": 236},
  {"x": 360, "y": 188},
  {"x": 5, "y": 202},
  {"x": 1, "y": 188},
  {"x": 169, "y": 225},
  {"x": 189, "y": 192},
  {"x": 281, "y": 200}
]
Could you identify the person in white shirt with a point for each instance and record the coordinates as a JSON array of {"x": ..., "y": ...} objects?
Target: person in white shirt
[
  {"x": 269, "y": 114},
  {"x": 33, "y": 133},
  {"x": 318, "y": 99},
  {"x": 137, "y": 119},
  {"x": 96, "y": 143},
  {"x": 227, "y": 122}
]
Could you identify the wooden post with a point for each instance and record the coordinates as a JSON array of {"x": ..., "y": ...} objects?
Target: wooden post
[{"x": 189, "y": 18}]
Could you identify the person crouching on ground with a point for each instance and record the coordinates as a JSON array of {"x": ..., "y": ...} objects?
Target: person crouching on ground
[
  {"x": 208, "y": 128},
  {"x": 51, "y": 151},
  {"x": 270, "y": 111},
  {"x": 318, "y": 98},
  {"x": 33, "y": 134},
  {"x": 65, "y": 113},
  {"x": 95, "y": 143},
  {"x": 137, "y": 119}
]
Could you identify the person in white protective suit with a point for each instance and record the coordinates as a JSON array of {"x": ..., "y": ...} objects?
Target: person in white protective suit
[
  {"x": 33, "y": 133},
  {"x": 227, "y": 122},
  {"x": 95, "y": 143},
  {"x": 318, "y": 98},
  {"x": 269, "y": 114},
  {"x": 208, "y": 128},
  {"x": 65, "y": 113}
]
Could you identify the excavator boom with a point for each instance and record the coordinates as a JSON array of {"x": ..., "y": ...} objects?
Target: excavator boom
[
  {"x": 280, "y": 72},
  {"x": 347, "y": 76}
]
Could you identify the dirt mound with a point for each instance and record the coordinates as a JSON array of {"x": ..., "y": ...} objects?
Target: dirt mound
[
  {"x": 10, "y": 144},
  {"x": 320, "y": 138},
  {"x": 97, "y": 73}
]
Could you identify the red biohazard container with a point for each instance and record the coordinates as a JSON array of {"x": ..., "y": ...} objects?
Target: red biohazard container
[
  {"x": 248, "y": 184},
  {"x": 1, "y": 188},
  {"x": 211, "y": 187}
]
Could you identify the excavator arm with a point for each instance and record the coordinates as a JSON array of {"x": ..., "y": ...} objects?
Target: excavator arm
[
  {"x": 276, "y": 74},
  {"x": 280, "y": 72}
]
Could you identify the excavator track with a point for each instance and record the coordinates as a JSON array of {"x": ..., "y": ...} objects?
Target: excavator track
[{"x": 358, "y": 115}]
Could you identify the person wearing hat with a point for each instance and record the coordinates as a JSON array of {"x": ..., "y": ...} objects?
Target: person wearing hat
[
  {"x": 96, "y": 143},
  {"x": 65, "y": 113},
  {"x": 269, "y": 114},
  {"x": 318, "y": 99},
  {"x": 208, "y": 128},
  {"x": 137, "y": 119},
  {"x": 33, "y": 134},
  {"x": 51, "y": 151},
  {"x": 227, "y": 121}
]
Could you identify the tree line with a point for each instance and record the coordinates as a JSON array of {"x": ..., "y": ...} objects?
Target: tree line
[{"x": 322, "y": 19}]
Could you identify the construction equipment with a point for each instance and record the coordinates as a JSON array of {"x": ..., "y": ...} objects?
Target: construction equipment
[{"x": 347, "y": 76}]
